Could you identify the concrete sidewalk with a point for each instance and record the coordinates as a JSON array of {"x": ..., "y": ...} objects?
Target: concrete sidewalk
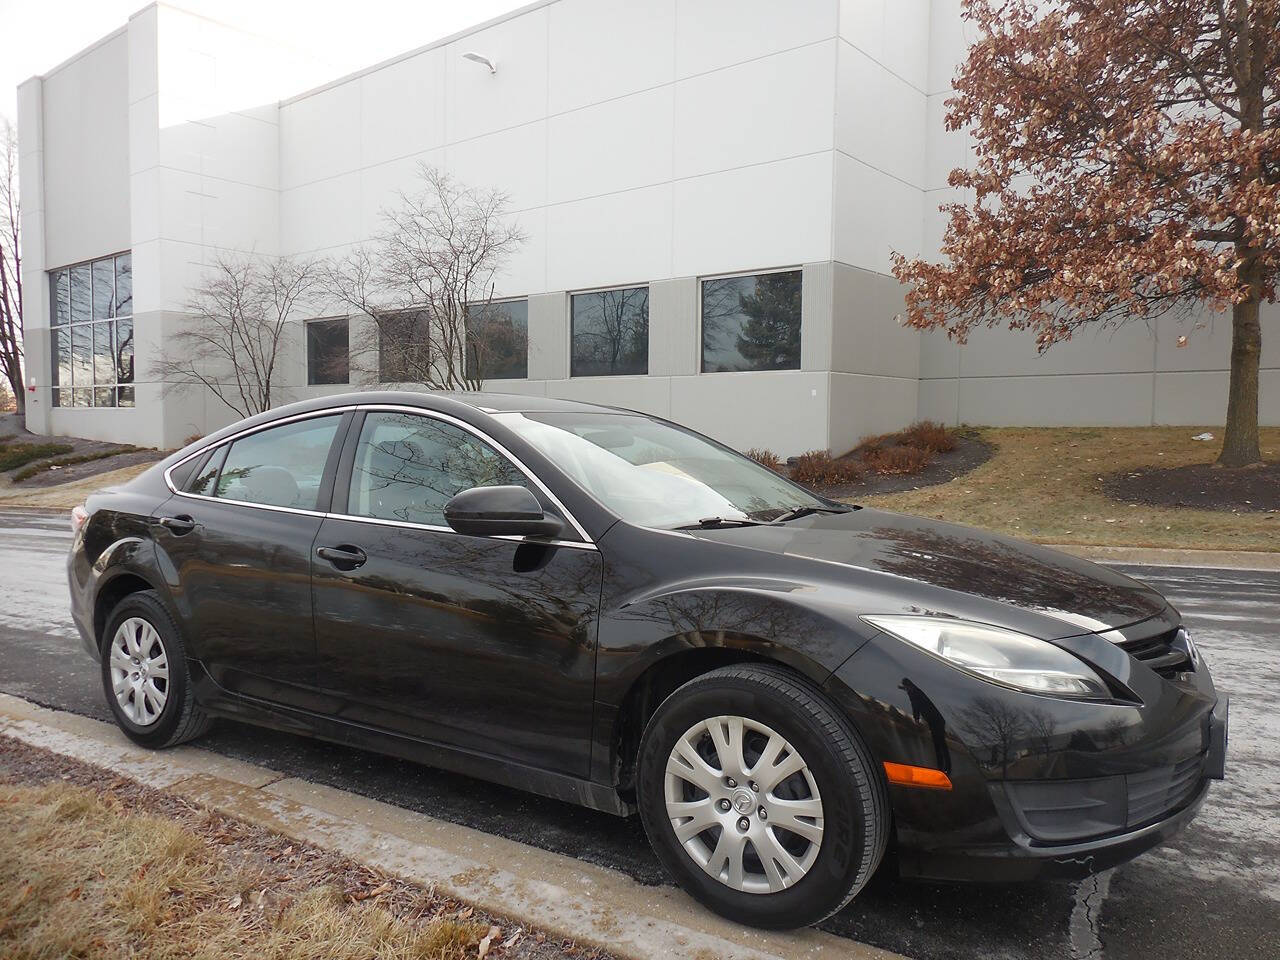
[{"x": 555, "y": 893}]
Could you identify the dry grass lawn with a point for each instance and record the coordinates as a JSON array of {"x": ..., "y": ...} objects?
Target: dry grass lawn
[
  {"x": 81, "y": 875},
  {"x": 1044, "y": 484}
]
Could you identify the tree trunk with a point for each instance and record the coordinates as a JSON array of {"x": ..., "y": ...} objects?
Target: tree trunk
[
  {"x": 1240, "y": 443},
  {"x": 19, "y": 389}
]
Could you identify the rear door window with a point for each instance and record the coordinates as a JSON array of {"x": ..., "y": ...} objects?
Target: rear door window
[{"x": 279, "y": 467}]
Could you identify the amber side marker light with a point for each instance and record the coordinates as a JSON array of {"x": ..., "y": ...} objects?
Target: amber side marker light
[{"x": 906, "y": 775}]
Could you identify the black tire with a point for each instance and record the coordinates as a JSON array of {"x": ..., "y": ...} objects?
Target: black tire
[
  {"x": 181, "y": 719},
  {"x": 855, "y": 802}
]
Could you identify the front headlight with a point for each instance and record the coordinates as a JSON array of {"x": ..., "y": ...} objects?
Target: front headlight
[{"x": 993, "y": 653}]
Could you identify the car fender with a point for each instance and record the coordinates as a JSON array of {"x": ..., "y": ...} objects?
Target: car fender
[{"x": 803, "y": 626}]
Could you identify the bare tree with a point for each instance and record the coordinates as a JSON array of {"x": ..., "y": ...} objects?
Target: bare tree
[
  {"x": 434, "y": 260},
  {"x": 235, "y": 340},
  {"x": 10, "y": 268}
]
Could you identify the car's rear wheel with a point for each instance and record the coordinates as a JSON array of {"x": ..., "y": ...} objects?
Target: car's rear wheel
[
  {"x": 760, "y": 798},
  {"x": 145, "y": 676}
]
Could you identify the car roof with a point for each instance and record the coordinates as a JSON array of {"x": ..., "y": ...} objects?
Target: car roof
[{"x": 441, "y": 400}]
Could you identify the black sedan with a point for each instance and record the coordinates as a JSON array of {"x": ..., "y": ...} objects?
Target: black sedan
[{"x": 607, "y": 608}]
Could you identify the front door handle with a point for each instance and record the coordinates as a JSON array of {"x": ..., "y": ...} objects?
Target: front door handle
[
  {"x": 344, "y": 557},
  {"x": 178, "y": 525}
]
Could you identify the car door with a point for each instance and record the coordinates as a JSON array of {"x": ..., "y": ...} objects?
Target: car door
[
  {"x": 236, "y": 544},
  {"x": 486, "y": 644}
]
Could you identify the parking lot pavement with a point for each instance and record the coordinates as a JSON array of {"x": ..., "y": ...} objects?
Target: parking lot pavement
[{"x": 1214, "y": 891}]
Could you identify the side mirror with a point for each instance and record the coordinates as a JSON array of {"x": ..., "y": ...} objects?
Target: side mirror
[{"x": 498, "y": 512}]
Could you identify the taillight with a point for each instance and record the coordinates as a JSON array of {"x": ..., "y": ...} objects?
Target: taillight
[{"x": 78, "y": 516}]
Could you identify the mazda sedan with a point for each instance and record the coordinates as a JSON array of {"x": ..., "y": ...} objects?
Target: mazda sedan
[{"x": 609, "y": 609}]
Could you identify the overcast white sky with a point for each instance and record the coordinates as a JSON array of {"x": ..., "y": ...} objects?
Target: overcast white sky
[{"x": 36, "y": 35}]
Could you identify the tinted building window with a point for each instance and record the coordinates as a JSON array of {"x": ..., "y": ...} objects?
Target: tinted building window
[
  {"x": 328, "y": 352},
  {"x": 498, "y": 340},
  {"x": 404, "y": 341},
  {"x": 610, "y": 332},
  {"x": 279, "y": 467},
  {"x": 92, "y": 317},
  {"x": 407, "y": 467},
  {"x": 751, "y": 323}
]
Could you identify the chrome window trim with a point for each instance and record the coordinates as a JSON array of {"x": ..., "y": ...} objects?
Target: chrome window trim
[{"x": 586, "y": 543}]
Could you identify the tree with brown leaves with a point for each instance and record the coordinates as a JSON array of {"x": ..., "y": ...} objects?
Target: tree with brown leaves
[{"x": 1127, "y": 164}]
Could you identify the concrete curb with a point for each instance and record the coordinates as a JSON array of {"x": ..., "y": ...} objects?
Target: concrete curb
[
  {"x": 1164, "y": 557},
  {"x": 555, "y": 893}
]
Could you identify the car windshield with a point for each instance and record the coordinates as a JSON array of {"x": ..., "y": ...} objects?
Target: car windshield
[{"x": 655, "y": 474}]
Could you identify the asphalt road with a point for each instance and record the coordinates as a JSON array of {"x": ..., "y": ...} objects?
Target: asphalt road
[{"x": 1214, "y": 892}]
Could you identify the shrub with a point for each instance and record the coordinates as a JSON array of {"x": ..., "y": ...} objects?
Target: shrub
[
  {"x": 192, "y": 439},
  {"x": 20, "y": 454},
  {"x": 897, "y": 460},
  {"x": 819, "y": 468},
  {"x": 927, "y": 435},
  {"x": 766, "y": 458}
]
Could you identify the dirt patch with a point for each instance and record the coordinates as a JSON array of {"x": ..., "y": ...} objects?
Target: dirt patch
[
  {"x": 970, "y": 452},
  {"x": 95, "y": 864},
  {"x": 1200, "y": 485}
]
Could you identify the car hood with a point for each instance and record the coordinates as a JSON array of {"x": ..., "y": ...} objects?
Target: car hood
[{"x": 1082, "y": 597}]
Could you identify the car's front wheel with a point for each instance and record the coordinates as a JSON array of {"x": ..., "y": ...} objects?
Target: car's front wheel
[
  {"x": 145, "y": 677},
  {"x": 760, "y": 798}
]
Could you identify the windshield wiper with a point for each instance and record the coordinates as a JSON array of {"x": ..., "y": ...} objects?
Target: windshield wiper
[
  {"x": 708, "y": 523},
  {"x": 796, "y": 512}
]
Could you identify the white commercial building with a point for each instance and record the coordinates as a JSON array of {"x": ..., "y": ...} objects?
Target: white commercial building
[{"x": 677, "y": 154}]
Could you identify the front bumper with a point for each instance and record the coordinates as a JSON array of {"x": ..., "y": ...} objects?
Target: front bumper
[
  {"x": 1041, "y": 787},
  {"x": 1019, "y": 858}
]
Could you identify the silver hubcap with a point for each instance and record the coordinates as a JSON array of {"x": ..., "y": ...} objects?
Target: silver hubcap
[
  {"x": 139, "y": 671},
  {"x": 744, "y": 804}
]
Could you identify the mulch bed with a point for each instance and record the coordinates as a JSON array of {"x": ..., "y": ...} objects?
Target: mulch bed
[
  {"x": 78, "y": 471},
  {"x": 289, "y": 866},
  {"x": 12, "y": 426},
  {"x": 969, "y": 453},
  {"x": 1201, "y": 485}
]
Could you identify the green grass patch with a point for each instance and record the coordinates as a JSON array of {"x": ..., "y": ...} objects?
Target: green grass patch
[{"x": 16, "y": 455}]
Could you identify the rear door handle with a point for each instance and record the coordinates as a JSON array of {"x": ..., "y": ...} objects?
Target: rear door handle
[
  {"x": 178, "y": 525},
  {"x": 344, "y": 557}
]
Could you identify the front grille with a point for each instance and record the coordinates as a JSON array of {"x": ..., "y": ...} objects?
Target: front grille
[
  {"x": 1157, "y": 792},
  {"x": 1168, "y": 654}
]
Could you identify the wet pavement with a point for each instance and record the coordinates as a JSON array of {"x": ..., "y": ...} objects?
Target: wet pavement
[{"x": 1213, "y": 892}]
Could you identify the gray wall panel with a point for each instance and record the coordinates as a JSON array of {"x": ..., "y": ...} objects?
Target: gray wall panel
[
  {"x": 866, "y": 336},
  {"x": 816, "y": 299},
  {"x": 549, "y": 336},
  {"x": 1106, "y": 399},
  {"x": 673, "y": 327}
]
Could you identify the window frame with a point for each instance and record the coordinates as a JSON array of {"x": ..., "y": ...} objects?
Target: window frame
[
  {"x": 733, "y": 275},
  {"x": 393, "y": 316},
  {"x": 337, "y": 476},
  {"x": 587, "y": 291},
  {"x": 344, "y": 415},
  {"x": 466, "y": 347},
  {"x": 90, "y": 322},
  {"x": 346, "y": 471},
  {"x": 306, "y": 342}
]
